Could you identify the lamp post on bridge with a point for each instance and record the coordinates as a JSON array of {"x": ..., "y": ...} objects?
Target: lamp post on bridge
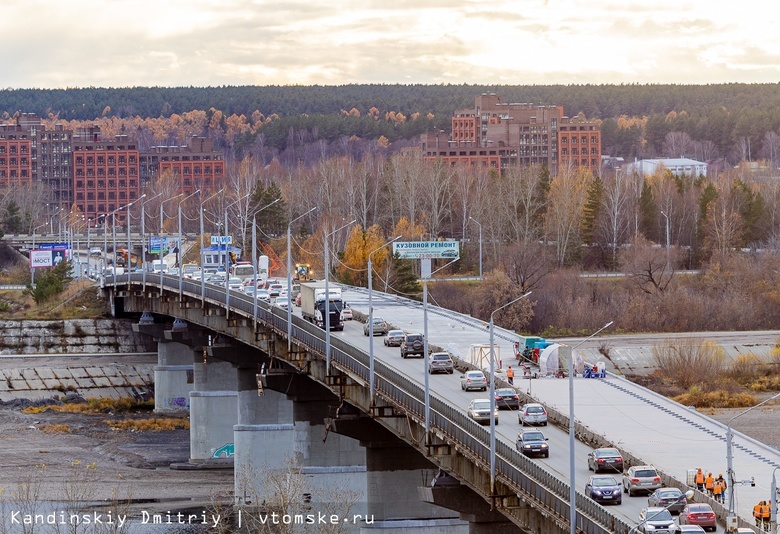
[
  {"x": 731, "y": 518},
  {"x": 143, "y": 237},
  {"x": 227, "y": 261},
  {"x": 162, "y": 220},
  {"x": 493, "y": 395},
  {"x": 128, "y": 232},
  {"x": 254, "y": 249},
  {"x": 289, "y": 278},
  {"x": 572, "y": 470},
  {"x": 425, "y": 349},
  {"x": 179, "y": 253},
  {"x": 327, "y": 294},
  {"x": 202, "y": 255},
  {"x": 371, "y": 319}
]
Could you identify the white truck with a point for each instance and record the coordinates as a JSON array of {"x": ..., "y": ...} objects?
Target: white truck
[{"x": 314, "y": 303}]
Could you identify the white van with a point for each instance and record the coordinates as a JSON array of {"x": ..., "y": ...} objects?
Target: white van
[{"x": 157, "y": 266}]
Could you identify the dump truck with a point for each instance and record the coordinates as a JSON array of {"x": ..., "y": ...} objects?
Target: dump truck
[{"x": 314, "y": 303}]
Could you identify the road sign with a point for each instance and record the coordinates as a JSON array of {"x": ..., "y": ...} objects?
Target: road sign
[
  {"x": 222, "y": 240},
  {"x": 419, "y": 250}
]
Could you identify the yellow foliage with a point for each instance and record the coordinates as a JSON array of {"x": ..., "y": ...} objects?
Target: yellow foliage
[
  {"x": 383, "y": 141},
  {"x": 56, "y": 429},
  {"x": 715, "y": 399},
  {"x": 408, "y": 231},
  {"x": 149, "y": 425}
]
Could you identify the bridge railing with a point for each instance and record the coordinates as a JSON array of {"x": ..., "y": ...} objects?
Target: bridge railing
[{"x": 529, "y": 479}]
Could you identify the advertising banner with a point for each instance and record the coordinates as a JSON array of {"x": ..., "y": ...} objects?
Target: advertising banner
[
  {"x": 46, "y": 258},
  {"x": 419, "y": 250},
  {"x": 163, "y": 245}
]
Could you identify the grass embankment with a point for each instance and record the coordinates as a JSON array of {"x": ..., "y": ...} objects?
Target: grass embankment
[
  {"x": 133, "y": 415},
  {"x": 697, "y": 373}
]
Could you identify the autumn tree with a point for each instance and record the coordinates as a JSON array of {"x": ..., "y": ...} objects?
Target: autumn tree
[
  {"x": 353, "y": 270},
  {"x": 568, "y": 192},
  {"x": 498, "y": 289}
]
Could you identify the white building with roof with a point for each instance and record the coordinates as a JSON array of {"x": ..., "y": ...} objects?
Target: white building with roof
[{"x": 678, "y": 166}]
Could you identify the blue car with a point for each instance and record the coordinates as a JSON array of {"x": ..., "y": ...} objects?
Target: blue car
[{"x": 604, "y": 489}]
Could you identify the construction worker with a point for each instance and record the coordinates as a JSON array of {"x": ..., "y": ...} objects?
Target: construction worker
[
  {"x": 757, "y": 512},
  {"x": 510, "y": 375},
  {"x": 766, "y": 513},
  {"x": 709, "y": 482},
  {"x": 699, "y": 479},
  {"x": 718, "y": 488}
]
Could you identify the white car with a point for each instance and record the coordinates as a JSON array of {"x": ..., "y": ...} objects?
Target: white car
[
  {"x": 346, "y": 313},
  {"x": 275, "y": 289},
  {"x": 283, "y": 303},
  {"x": 235, "y": 283}
]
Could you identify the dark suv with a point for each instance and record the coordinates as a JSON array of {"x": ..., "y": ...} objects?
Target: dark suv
[{"x": 412, "y": 344}]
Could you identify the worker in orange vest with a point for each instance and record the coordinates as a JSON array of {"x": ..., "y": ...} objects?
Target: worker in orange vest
[
  {"x": 708, "y": 483},
  {"x": 717, "y": 490},
  {"x": 757, "y": 512},
  {"x": 699, "y": 480},
  {"x": 510, "y": 375},
  {"x": 766, "y": 513}
]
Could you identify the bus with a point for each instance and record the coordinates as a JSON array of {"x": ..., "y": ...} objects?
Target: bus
[{"x": 242, "y": 270}]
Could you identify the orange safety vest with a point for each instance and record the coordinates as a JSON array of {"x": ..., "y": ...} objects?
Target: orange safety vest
[
  {"x": 699, "y": 478},
  {"x": 708, "y": 482},
  {"x": 765, "y": 512},
  {"x": 757, "y": 510},
  {"x": 717, "y": 489},
  {"x": 510, "y": 373}
]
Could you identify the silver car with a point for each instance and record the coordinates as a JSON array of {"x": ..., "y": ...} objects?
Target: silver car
[
  {"x": 473, "y": 380},
  {"x": 440, "y": 362},
  {"x": 641, "y": 478},
  {"x": 532, "y": 414},
  {"x": 479, "y": 410}
]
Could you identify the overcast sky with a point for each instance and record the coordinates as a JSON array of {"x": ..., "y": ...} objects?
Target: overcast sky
[{"x": 121, "y": 43}]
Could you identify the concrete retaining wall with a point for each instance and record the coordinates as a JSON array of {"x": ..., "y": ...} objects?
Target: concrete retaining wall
[{"x": 78, "y": 336}]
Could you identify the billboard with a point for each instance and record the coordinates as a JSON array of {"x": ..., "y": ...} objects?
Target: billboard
[
  {"x": 420, "y": 250},
  {"x": 163, "y": 245},
  {"x": 46, "y": 258}
]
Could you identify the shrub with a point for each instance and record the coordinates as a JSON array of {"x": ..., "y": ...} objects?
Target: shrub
[{"x": 689, "y": 363}]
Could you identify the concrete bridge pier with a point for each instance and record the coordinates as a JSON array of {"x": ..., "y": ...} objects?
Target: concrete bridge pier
[
  {"x": 173, "y": 374},
  {"x": 263, "y": 436},
  {"x": 213, "y": 408},
  {"x": 395, "y": 470}
]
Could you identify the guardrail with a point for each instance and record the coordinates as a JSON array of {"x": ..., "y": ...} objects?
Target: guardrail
[{"x": 529, "y": 479}]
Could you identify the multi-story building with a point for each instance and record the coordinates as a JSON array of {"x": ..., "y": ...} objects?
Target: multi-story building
[
  {"x": 496, "y": 135},
  {"x": 51, "y": 158},
  {"x": 15, "y": 156},
  {"x": 105, "y": 172},
  {"x": 195, "y": 166},
  {"x": 99, "y": 175}
]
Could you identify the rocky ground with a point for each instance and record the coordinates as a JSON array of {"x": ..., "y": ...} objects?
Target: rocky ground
[{"x": 92, "y": 462}]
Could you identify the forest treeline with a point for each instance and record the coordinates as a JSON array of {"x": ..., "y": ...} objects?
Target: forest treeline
[{"x": 726, "y": 120}]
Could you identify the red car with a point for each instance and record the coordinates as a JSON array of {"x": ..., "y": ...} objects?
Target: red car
[{"x": 699, "y": 514}]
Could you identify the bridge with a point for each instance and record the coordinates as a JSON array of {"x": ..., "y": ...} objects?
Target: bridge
[{"x": 224, "y": 365}]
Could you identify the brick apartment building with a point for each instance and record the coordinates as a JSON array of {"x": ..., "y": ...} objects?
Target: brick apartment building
[
  {"x": 99, "y": 175},
  {"x": 496, "y": 135}
]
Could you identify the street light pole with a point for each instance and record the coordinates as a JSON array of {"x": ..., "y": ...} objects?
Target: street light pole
[
  {"x": 371, "y": 320},
  {"x": 289, "y": 277},
  {"x": 730, "y": 462},
  {"x": 493, "y": 396},
  {"x": 179, "y": 253},
  {"x": 572, "y": 471},
  {"x": 128, "y": 232},
  {"x": 327, "y": 295},
  {"x": 227, "y": 265},
  {"x": 480, "y": 246},
  {"x": 254, "y": 235},
  {"x": 162, "y": 218},
  {"x": 202, "y": 256},
  {"x": 143, "y": 237},
  {"x": 773, "y": 512},
  {"x": 425, "y": 349},
  {"x": 32, "y": 269}
]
